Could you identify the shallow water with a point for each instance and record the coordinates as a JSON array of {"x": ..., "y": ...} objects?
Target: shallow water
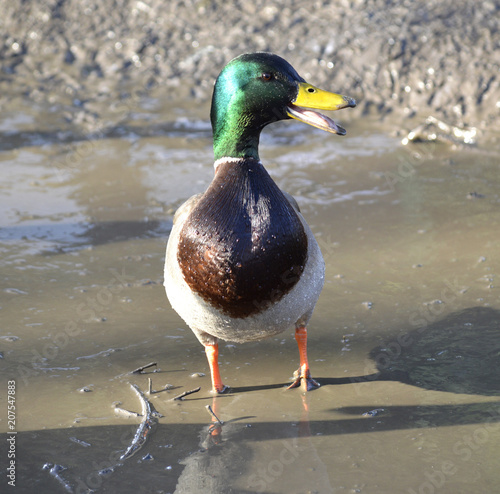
[{"x": 404, "y": 340}]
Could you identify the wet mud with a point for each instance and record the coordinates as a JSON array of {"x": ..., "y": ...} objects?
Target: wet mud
[{"x": 404, "y": 340}]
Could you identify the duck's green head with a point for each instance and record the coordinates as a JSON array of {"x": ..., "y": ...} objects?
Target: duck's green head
[{"x": 256, "y": 89}]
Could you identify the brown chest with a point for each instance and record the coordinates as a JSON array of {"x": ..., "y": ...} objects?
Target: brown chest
[{"x": 243, "y": 246}]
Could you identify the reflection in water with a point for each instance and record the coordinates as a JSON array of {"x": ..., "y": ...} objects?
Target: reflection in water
[
  {"x": 457, "y": 354},
  {"x": 227, "y": 451},
  {"x": 72, "y": 192},
  {"x": 221, "y": 457}
]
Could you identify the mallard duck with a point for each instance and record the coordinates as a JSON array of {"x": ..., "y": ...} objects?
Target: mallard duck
[{"x": 241, "y": 262}]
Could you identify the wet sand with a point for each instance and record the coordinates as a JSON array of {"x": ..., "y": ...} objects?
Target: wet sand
[{"x": 404, "y": 339}]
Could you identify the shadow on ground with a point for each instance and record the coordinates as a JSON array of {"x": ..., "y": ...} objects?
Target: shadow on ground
[
  {"x": 184, "y": 456},
  {"x": 458, "y": 354}
]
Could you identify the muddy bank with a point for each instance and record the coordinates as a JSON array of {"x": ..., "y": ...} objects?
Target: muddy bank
[
  {"x": 88, "y": 61},
  {"x": 404, "y": 339}
]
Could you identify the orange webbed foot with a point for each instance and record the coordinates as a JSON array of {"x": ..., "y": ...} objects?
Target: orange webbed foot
[
  {"x": 221, "y": 389},
  {"x": 305, "y": 380}
]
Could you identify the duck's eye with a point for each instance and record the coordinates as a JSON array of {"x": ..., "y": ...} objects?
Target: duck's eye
[{"x": 267, "y": 76}]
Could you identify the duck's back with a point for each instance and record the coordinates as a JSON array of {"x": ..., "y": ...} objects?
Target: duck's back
[{"x": 242, "y": 247}]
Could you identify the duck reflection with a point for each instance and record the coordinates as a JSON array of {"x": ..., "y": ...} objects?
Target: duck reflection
[
  {"x": 220, "y": 458},
  {"x": 235, "y": 456}
]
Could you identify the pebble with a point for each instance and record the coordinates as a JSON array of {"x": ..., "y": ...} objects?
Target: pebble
[{"x": 197, "y": 374}]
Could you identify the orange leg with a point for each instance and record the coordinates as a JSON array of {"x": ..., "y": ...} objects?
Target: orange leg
[
  {"x": 303, "y": 374},
  {"x": 212, "y": 352},
  {"x": 215, "y": 429}
]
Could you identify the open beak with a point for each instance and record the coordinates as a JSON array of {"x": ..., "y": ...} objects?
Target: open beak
[{"x": 309, "y": 96}]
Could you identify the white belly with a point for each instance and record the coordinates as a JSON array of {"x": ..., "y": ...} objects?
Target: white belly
[{"x": 295, "y": 307}]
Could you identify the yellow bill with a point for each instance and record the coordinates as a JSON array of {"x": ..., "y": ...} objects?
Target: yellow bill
[{"x": 309, "y": 96}]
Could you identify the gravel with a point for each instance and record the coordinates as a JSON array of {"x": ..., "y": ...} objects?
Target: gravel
[{"x": 400, "y": 58}]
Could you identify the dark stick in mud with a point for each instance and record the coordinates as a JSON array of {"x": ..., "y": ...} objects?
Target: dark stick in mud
[
  {"x": 186, "y": 393},
  {"x": 152, "y": 391},
  {"x": 140, "y": 370}
]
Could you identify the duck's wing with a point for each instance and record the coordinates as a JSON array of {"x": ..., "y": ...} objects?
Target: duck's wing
[
  {"x": 292, "y": 201},
  {"x": 186, "y": 208}
]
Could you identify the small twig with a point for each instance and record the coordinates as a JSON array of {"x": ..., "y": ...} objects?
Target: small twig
[
  {"x": 127, "y": 413},
  {"x": 149, "y": 420},
  {"x": 123, "y": 411},
  {"x": 80, "y": 442},
  {"x": 186, "y": 393},
  {"x": 152, "y": 391},
  {"x": 211, "y": 412},
  {"x": 139, "y": 370},
  {"x": 55, "y": 470}
]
